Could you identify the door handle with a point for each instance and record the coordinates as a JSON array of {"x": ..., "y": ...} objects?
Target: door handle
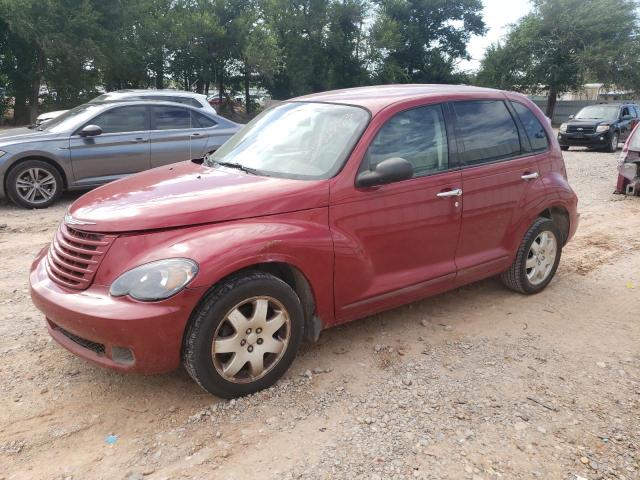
[
  {"x": 138, "y": 140},
  {"x": 456, "y": 192},
  {"x": 530, "y": 176},
  {"x": 195, "y": 134}
]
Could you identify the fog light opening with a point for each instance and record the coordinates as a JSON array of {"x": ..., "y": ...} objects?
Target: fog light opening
[{"x": 122, "y": 355}]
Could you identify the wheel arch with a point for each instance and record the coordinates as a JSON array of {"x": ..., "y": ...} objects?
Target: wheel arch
[
  {"x": 292, "y": 276},
  {"x": 560, "y": 217},
  {"x": 53, "y": 163}
]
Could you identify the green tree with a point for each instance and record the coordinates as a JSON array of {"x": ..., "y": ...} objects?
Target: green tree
[
  {"x": 563, "y": 43},
  {"x": 421, "y": 40}
]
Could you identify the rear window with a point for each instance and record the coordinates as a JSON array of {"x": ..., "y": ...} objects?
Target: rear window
[
  {"x": 532, "y": 126},
  {"x": 170, "y": 118},
  {"x": 487, "y": 131}
]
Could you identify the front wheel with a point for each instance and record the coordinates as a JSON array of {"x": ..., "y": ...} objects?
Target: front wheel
[
  {"x": 564, "y": 148},
  {"x": 537, "y": 258},
  {"x": 613, "y": 143},
  {"x": 244, "y": 335},
  {"x": 34, "y": 184}
]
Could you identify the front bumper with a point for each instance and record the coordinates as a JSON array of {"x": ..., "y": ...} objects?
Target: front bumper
[
  {"x": 117, "y": 333},
  {"x": 584, "y": 139}
]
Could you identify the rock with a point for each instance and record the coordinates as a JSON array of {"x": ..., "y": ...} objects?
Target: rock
[
  {"x": 520, "y": 426},
  {"x": 584, "y": 460},
  {"x": 135, "y": 476},
  {"x": 318, "y": 370},
  {"x": 407, "y": 381},
  {"x": 424, "y": 322},
  {"x": 542, "y": 430},
  {"x": 601, "y": 364}
]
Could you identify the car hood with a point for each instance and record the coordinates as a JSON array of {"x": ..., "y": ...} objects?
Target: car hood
[
  {"x": 187, "y": 193},
  {"x": 590, "y": 122},
  {"x": 24, "y": 135}
]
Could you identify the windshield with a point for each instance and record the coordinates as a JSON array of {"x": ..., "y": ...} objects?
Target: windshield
[
  {"x": 71, "y": 119},
  {"x": 598, "y": 112},
  {"x": 295, "y": 140}
]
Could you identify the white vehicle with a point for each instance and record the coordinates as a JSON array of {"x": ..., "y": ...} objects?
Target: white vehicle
[{"x": 186, "y": 98}]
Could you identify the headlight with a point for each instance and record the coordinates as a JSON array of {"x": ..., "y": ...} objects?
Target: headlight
[
  {"x": 156, "y": 280},
  {"x": 563, "y": 127},
  {"x": 2, "y": 153},
  {"x": 602, "y": 128}
]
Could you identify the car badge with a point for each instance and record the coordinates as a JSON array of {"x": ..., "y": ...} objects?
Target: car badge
[
  {"x": 69, "y": 220},
  {"x": 580, "y": 129}
]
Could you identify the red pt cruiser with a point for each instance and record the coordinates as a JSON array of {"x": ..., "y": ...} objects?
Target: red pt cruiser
[{"x": 323, "y": 209}]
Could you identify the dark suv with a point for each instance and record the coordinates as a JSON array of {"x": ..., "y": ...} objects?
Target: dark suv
[{"x": 599, "y": 126}]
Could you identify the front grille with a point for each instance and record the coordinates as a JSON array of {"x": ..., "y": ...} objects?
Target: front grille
[
  {"x": 585, "y": 129},
  {"x": 83, "y": 342},
  {"x": 74, "y": 256}
]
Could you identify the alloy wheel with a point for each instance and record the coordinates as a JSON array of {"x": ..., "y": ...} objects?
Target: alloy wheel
[
  {"x": 251, "y": 339},
  {"x": 541, "y": 257},
  {"x": 36, "y": 185}
]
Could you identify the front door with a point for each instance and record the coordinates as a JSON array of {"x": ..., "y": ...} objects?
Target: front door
[
  {"x": 496, "y": 170},
  {"x": 121, "y": 149},
  {"x": 396, "y": 243}
]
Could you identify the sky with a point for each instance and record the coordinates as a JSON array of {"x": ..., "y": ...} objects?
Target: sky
[{"x": 498, "y": 15}]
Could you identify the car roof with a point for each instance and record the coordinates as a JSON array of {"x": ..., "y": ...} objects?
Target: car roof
[
  {"x": 143, "y": 91},
  {"x": 124, "y": 101},
  {"x": 375, "y": 98}
]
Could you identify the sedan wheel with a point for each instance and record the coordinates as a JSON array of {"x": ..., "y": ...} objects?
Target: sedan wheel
[
  {"x": 34, "y": 184},
  {"x": 244, "y": 334}
]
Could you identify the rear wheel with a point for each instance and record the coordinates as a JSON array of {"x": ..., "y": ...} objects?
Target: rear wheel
[
  {"x": 537, "y": 258},
  {"x": 244, "y": 335},
  {"x": 34, "y": 184},
  {"x": 613, "y": 143}
]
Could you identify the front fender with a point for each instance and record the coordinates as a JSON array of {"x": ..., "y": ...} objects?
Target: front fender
[{"x": 301, "y": 239}]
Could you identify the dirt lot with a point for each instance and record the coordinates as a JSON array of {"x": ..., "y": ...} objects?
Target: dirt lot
[{"x": 480, "y": 383}]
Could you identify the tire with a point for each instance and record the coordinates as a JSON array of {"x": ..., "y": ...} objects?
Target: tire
[
  {"x": 22, "y": 178},
  {"x": 613, "y": 143},
  {"x": 524, "y": 274},
  {"x": 564, "y": 148},
  {"x": 222, "y": 312}
]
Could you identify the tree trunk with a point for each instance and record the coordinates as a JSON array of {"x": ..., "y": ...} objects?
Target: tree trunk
[
  {"x": 36, "y": 81},
  {"x": 247, "y": 97},
  {"x": 551, "y": 102},
  {"x": 221, "y": 82}
]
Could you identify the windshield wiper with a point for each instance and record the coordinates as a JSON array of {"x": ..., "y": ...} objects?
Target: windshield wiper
[{"x": 237, "y": 166}]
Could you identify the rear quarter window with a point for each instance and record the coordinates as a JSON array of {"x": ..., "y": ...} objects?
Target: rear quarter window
[
  {"x": 487, "y": 131},
  {"x": 532, "y": 126}
]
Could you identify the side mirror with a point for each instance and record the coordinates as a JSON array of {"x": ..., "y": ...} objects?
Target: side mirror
[
  {"x": 90, "y": 131},
  {"x": 387, "y": 171},
  {"x": 571, "y": 117}
]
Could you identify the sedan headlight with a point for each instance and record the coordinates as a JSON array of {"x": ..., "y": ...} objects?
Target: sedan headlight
[
  {"x": 2, "y": 153},
  {"x": 563, "y": 127},
  {"x": 602, "y": 128},
  {"x": 156, "y": 280}
]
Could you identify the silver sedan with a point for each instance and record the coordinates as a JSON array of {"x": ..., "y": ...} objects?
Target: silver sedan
[{"x": 96, "y": 143}]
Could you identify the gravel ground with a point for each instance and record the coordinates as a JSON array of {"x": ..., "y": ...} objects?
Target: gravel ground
[{"x": 479, "y": 383}]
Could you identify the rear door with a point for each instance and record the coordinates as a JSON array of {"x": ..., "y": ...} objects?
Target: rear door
[
  {"x": 177, "y": 134},
  {"x": 121, "y": 149},
  {"x": 497, "y": 169}
]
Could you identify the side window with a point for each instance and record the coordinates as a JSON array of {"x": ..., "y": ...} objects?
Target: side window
[
  {"x": 202, "y": 121},
  {"x": 535, "y": 131},
  {"x": 625, "y": 112},
  {"x": 123, "y": 119},
  {"x": 487, "y": 131},
  {"x": 417, "y": 135},
  {"x": 634, "y": 111},
  {"x": 170, "y": 118}
]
